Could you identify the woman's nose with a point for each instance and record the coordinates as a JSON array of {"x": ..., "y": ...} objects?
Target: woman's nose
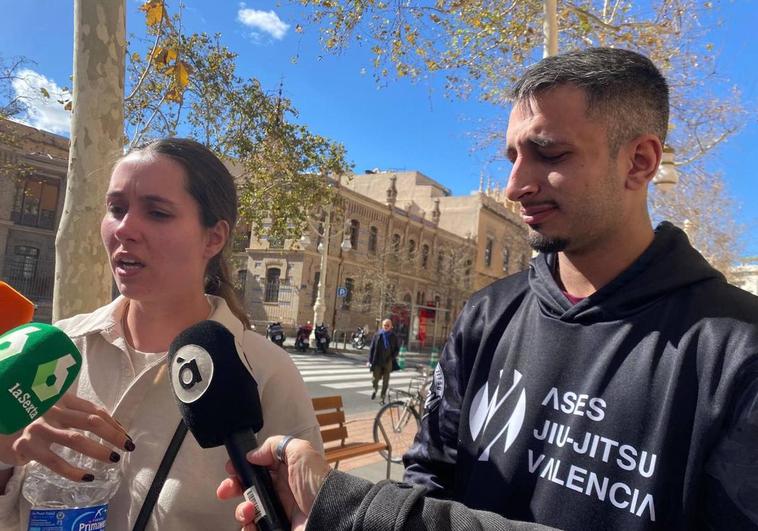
[{"x": 128, "y": 227}]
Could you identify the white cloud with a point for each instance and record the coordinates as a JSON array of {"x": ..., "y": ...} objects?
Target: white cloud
[
  {"x": 265, "y": 21},
  {"x": 42, "y": 113}
]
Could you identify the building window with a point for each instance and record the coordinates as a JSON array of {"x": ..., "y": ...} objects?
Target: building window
[
  {"x": 440, "y": 261},
  {"x": 467, "y": 274},
  {"x": 316, "y": 279},
  {"x": 373, "y": 236},
  {"x": 26, "y": 264},
  {"x": 411, "y": 249},
  {"x": 367, "y": 290},
  {"x": 355, "y": 228},
  {"x": 424, "y": 256},
  {"x": 35, "y": 203},
  {"x": 272, "y": 284},
  {"x": 396, "y": 243},
  {"x": 348, "y": 298},
  {"x": 241, "y": 281},
  {"x": 506, "y": 260},
  {"x": 488, "y": 252}
]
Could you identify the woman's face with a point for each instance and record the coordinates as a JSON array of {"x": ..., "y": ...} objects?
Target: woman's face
[{"x": 156, "y": 244}]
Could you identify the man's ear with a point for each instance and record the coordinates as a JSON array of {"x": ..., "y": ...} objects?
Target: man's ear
[
  {"x": 644, "y": 156},
  {"x": 217, "y": 237}
]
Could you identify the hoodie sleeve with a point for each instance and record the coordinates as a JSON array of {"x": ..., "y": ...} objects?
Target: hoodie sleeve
[
  {"x": 431, "y": 461},
  {"x": 348, "y": 503},
  {"x": 732, "y": 468}
]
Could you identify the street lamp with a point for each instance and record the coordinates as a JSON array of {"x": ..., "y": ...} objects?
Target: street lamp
[
  {"x": 319, "y": 307},
  {"x": 666, "y": 177}
]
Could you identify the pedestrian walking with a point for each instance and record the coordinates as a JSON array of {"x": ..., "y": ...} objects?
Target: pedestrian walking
[{"x": 385, "y": 346}]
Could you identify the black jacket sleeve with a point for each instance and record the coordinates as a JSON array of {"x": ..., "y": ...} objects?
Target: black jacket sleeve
[
  {"x": 347, "y": 503},
  {"x": 431, "y": 461}
]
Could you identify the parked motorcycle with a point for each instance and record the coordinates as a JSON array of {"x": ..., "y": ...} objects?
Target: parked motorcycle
[
  {"x": 360, "y": 338},
  {"x": 302, "y": 337},
  {"x": 275, "y": 333},
  {"x": 322, "y": 338}
]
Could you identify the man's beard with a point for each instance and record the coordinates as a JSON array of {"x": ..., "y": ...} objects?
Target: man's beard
[{"x": 545, "y": 244}]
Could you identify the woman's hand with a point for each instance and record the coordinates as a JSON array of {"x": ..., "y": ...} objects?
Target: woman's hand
[
  {"x": 297, "y": 480},
  {"x": 66, "y": 424}
]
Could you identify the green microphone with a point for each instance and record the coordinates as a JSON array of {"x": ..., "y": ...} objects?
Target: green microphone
[{"x": 38, "y": 363}]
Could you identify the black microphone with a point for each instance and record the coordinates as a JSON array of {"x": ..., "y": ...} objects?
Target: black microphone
[{"x": 218, "y": 399}]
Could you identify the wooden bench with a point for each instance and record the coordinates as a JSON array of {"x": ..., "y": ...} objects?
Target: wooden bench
[{"x": 331, "y": 419}]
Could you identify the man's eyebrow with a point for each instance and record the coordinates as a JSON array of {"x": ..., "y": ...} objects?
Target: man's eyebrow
[{"x": 547, "y": 142}]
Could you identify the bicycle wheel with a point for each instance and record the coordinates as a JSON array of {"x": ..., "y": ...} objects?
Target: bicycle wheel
[{"x": 400, "y": 423}]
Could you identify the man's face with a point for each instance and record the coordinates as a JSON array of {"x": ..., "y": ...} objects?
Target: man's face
[
  {"x": 563, "y": 174},
  {"x": 387, "y": 325}
]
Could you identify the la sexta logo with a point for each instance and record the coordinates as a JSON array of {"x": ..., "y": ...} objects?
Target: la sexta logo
[{"x": 495, "y": 428}]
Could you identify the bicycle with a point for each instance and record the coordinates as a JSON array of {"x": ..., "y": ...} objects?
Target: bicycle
[{"x": 394, "y": 418}]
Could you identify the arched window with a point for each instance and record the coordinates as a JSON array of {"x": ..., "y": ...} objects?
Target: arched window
[
  {"x": 411, "y": 249},
  {"x": 373, "y": 236},
  {"x": 506, "y": 260},
  {"x": 396, "y": 243},
  {"x": 272, "y": 284},
  {"x": 440, "y": 261},
  {"x": 355, "y": 228},
  {"x": 488, "y": 252},
  {"x": 424, "y": 256}
]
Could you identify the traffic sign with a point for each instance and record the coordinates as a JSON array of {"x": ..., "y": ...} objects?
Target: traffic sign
[{"x": 342, "y": 292}]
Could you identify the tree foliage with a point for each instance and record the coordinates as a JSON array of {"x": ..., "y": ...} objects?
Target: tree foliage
[
  {"x": 187, "y": 84},
  {"x": 481, "y": 46}
]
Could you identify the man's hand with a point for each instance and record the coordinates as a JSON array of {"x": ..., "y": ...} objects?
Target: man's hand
[
  {"x": 297, "y": 480},
  {"x": 66, "y": 424}
]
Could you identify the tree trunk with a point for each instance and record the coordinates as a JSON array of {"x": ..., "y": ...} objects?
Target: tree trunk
[{"x": 82, "y": 274}]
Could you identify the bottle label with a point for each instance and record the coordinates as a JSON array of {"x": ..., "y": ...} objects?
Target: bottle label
[
  {"x": 79, "y": 519},
  {"x": 252, "y": 495}
]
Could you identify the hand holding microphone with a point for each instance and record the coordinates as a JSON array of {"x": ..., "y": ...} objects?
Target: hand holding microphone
[
  {"x": 298, "y": 471},
  {"x": 218, "y": 399},
  {"x": 38, "y": 363}
]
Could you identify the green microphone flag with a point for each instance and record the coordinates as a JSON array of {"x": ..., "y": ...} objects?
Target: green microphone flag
[{"x": 38, "y": 363}]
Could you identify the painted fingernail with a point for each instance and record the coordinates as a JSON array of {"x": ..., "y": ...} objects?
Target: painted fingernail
[
  {"x": 114, "y": 457},
  {"x": 88, "y": 477},
  {"x": 129, "y": 445}
]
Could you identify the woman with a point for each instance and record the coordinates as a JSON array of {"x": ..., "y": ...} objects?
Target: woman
[{"x": 170, "y": 209}]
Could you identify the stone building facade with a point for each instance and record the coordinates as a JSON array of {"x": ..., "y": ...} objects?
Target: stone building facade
[
  {"x": 33, "y": 165},
  {"x": 400, "y": 246}
]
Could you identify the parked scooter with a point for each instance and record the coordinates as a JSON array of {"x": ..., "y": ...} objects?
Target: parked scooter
[
  {"x": 322, "y": 338},
  {"x": 303, "y": 336},
  {"x": 275, "y": 333},
  {"x": 360, "y": 338}
]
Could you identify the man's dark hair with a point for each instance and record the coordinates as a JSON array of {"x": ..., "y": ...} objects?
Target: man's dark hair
[{"x": 624, "y": 88}]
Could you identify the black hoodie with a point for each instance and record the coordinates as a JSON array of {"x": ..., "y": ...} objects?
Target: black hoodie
[{"x": 598, "y": 415}]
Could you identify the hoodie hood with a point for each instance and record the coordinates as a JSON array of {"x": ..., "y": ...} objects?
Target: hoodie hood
[{"x": 669, "y": 264}]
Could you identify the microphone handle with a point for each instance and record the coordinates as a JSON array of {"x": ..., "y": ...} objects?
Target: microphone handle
[{"x": 257, "y": 483}]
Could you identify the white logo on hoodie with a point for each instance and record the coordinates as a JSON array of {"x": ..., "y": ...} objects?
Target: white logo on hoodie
[{"x": 484, "y": 407}]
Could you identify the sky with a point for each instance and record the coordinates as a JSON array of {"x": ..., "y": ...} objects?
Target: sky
[{"x": 398, "y": 125}]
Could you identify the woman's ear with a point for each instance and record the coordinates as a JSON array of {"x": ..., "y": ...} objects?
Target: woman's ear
[
  {"x": 644, "y": 156},
  {"x": 217, "y": 237}
]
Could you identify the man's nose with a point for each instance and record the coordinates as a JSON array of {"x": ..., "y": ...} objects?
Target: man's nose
[{"x": 522, "y": 181}]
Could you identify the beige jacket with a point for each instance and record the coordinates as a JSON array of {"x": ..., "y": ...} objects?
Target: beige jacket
[{"x": 144, "y": 404}]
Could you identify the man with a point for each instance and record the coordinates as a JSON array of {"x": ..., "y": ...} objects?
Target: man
[
  {"x": 614, "y": 385},
  {"x": 385, "y": 347}
]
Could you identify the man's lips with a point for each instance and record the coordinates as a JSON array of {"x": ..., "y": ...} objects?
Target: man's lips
[{"x": 535, "y": 214}]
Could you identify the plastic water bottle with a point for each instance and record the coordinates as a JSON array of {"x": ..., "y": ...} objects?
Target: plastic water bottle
[{"x": 59, "y": 504}]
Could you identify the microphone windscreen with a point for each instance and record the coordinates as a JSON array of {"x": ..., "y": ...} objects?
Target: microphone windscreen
[
  {"x": 216, "y": 394},
  {"x": 15, "y": 309},
  {"x": 38, "y": 363}
]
